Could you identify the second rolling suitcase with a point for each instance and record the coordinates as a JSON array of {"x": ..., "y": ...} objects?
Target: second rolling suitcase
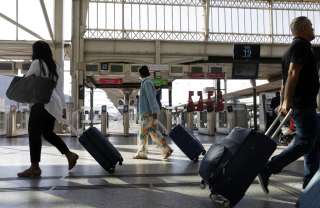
[
  {"x": 187, "y": 142},
  {"x": 101, "y": 149}
]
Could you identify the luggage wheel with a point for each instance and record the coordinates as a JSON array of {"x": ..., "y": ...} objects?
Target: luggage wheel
[
  {"x": 111, "y": 170},
  {"x": 120, "y": 162},
  {"x": 220, "y": 200},
  {"x": 203, "y": 152},
  {"x": 202, "y": 185}
]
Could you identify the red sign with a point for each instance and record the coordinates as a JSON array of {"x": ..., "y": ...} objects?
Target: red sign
[
  {"x": 207, "y": 75},
  {"x": 197, "y": 75},
  {"x": 110, "y": 81},
  {"x": 216, "y": 75}
]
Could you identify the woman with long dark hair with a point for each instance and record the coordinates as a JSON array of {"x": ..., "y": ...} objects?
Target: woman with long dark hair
[{"x": 43, "y": 116}]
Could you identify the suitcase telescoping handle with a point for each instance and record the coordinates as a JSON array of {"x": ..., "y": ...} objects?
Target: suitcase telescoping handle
[{"x": 274, "y": 123}]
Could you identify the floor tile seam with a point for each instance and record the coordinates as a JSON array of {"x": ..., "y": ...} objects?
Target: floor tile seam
[
  {"x": 105, "y": 186},
  {"x": 102, "y": 176},
  {"x": 286, "y": 188},
  {"x": 46, "y": 153}
]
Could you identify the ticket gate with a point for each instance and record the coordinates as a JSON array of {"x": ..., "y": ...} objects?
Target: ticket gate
[
  {"x": 207, "y": 121},
  {"x": 233, "y": 115},
  {"x": 190, "y": 110},
  {"x": 104, "y": 120},
  {"x": 2, "y": 122}
]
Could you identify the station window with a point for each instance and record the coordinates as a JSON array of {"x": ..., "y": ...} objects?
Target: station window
[
  {"x": 177, "y": 69},
  {"x": 135, "y": 68},
  {"x": 92, "y": 67},
  {"x": 215, "y": 69},
  {"x": 116, "y": 68},
  {"x": 196, "y": 69}
]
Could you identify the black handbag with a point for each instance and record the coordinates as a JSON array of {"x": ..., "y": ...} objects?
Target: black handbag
[{"x": 31, "y": 89}]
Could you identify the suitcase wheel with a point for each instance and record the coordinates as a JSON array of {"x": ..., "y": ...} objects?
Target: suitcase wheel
[
  {"x": 120, "y": 162},
  {"x": 111, "y": 170},
  {"x": 220, "y": 200},
  {"x": 203, "y": 152}
]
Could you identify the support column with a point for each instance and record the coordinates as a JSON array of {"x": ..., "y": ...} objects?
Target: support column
[
  {"x": 170, "y": 96},
  {"x": 255, "y": 124},
  {"x": 91, "y": 114},
  {"x": 79, "y": 12},
  {"x": 58, "y": 33},
  {"x": 206, "y": 14},
  {"x": 59, "y": 45},
  {"x": 158, "y": 52},
  {"x": 126, "y": 124}
]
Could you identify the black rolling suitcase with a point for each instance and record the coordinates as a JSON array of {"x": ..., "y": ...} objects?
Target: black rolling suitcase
[
  {"x": 101, "y": 149},
  {"x": 231, "y": 165},
  {"x": 187, "y": 142}
]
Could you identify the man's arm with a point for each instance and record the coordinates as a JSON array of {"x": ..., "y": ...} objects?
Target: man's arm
[{"x": 291, "y": 83}]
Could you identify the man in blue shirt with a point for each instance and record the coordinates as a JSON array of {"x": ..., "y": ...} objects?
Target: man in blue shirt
[{"x": 149, "y": 109}]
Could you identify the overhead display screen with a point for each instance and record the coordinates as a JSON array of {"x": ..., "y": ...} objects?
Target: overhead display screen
[
  {"x": 246, "y": 52},
  {"x": 246, "y": 59}
]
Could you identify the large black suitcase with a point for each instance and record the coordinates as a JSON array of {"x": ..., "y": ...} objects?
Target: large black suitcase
[
  {"x": 101, "y": 149},
  {"x": 231, "y": 164},
  {"x": 187, "y": 142}
]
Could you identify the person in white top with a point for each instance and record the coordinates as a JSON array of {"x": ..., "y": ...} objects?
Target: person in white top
[{"x": 43, "y": 116}]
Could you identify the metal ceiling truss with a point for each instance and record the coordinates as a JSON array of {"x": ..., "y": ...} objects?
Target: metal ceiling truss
[
  {"x": 143, "y": 35},
  {"x": 153, "y": 2},
  {"x": 227, "y": 20}
]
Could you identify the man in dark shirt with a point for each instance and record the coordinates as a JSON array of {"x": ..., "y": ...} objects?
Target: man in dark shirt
[{"x": 299, "y": 91}]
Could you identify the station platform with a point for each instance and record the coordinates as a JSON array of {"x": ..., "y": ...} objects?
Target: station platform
[{"x": 153, "y": 183}]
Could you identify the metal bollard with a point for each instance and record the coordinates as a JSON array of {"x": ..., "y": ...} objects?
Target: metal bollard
[
  {"x": 104, "y": 120},
  {"x": 12, "y": 122},
  {"x": 211, "y": 123},
  {"x": 126, "y": 124},
  {"x": 169, "y": 120}
]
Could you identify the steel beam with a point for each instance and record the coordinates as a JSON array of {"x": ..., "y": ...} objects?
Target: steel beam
[
  {"x": 21, "y": 26},
  {"x": 45, "y": 14}
]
